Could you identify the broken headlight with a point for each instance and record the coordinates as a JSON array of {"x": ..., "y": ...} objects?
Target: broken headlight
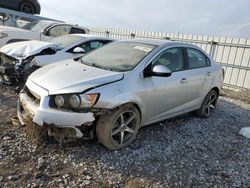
[{"x": 76, "y": 101}]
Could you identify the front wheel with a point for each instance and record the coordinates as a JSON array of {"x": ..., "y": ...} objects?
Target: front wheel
[
  {"x": 118, "y": 128},
  {"x": 208, "y": 106}
]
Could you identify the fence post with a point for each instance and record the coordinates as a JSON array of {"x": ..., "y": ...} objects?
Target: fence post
[
  {"x": 132, "y": 35},
  {"x": 107, "y": 33},
  {"x": 212, "y": 48},
  {"x": 166, "y": 38}
]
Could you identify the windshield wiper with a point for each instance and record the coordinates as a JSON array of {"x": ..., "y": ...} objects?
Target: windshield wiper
[
  {"x": 101, "y": 67},
  {"x": 96, "y": 65}
]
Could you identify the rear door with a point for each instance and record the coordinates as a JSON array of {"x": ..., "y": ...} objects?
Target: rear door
[{"x": 198, "y": 77}]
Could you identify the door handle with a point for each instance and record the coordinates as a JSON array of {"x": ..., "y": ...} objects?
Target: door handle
[
  {"x": 183, "y": 80},
  {"x": 209, "y": 73}
]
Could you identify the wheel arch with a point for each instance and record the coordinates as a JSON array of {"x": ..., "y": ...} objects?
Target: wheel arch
[
  {"x": 133, "y": 104},
  {"x": 216, "y": 89}
]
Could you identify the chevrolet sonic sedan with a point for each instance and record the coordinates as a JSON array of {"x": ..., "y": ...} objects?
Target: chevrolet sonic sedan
[{"x": 116, "y": 89}]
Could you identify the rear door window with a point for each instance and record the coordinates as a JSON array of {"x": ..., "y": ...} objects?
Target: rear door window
[
  {"x": 59, "y": 30},
  {"x": 75, "y": 30},
  {"x": 197, "y": 59}
]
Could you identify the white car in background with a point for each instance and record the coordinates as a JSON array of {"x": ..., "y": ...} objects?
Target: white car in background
[
  {"x": 38, "y": 30},
  {"x": 18, "y": 60}
]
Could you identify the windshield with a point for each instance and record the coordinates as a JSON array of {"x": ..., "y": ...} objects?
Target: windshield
[
  {"x": 65, "y": 40},
  {"x": 36, "y": 26},
  {"x": 120, "y": 56}
]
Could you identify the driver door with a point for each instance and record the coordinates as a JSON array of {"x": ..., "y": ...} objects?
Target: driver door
[{"x": 166, "y": 96}]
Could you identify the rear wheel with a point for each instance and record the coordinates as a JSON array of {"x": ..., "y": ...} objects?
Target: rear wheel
[
  {"x": 117, "y": 129},
  {"x": 27, "y": 7},
  {"x": 208, "y": 105}
]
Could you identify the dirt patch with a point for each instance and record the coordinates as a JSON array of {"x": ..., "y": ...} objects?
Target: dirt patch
[{"x": 242, "y": 95}]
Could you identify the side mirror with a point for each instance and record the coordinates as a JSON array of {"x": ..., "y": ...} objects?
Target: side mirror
[
  {"x": 160, "y": 70},
  {"x": 78, "y": 50}
]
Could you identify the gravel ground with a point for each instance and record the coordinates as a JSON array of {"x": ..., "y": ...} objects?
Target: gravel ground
[{"x": 181, "y": 152}]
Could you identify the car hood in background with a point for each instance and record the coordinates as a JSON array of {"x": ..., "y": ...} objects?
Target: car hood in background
[
  {"x": 4, "y": 29},
  {"x": 72, "y": 77},
  {"x": 21, "y": 50}
]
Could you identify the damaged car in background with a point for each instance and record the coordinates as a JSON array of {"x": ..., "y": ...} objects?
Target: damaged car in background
[
  {"x": 116, "y": 89},
  {"x": 18, "y": 60},
  {"x": 38, "y": 30}
]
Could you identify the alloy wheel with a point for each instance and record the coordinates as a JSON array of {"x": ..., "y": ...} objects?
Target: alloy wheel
[
  {"x": 124, "y": 128},
  {"x": 27, "y": 8},
  {"x": 210, "y": 106}
]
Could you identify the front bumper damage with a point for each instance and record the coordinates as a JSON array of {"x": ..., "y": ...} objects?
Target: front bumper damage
[
  {"x": 7, "y": 74},
  {"x": 35, "y": 108},
  {"x": 7, "y": 68},
  {"x": 14, "y": 71}
]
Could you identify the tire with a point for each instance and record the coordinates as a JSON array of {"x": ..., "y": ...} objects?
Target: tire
[
  {"x": 27, "y": 7},
  {"x": 118, "y": 128},
  {"x": 208, "y": 105}
]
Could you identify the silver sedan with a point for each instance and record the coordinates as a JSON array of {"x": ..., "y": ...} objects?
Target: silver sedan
[{"x": 116, "y": 89}]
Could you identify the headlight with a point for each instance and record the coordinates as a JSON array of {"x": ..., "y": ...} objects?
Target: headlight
[
  {"x": 89, "y": 100},
  {"x": 76, "y": 101},
  {"x": 3, "y": 35},
  {"x": 59, "y": 100}
]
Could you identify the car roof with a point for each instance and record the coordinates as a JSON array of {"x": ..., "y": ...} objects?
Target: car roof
[
  {"x": 160, "y": 42},
  {"x": 51, "y": 22},
  {"x": 89, "y": 36}
]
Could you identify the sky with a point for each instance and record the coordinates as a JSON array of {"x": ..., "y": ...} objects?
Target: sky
[{"x": 228, "y": 18}]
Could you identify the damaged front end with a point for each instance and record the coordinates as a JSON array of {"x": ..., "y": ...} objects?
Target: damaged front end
[
  {"x": 34, "y": 107},
  {"x": 14, "y": 71},
  {"x": 7, "y": 68}
]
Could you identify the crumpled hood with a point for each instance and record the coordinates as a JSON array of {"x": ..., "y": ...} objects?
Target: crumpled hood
[
  {"x": 21, "y": 50},
  {"x": 70, "y": 76}
]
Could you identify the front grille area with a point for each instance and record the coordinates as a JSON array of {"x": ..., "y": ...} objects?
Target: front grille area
[{"x": 34, "y": 97}]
